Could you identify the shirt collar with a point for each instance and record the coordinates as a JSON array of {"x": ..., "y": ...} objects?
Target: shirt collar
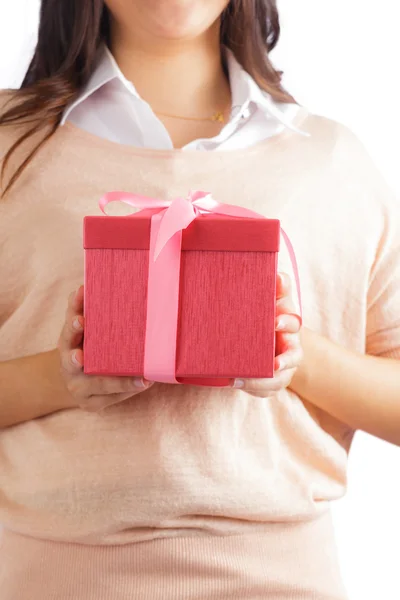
[
  {"x": 245, "y": 91},
  {"x": 106, "y": 70}
]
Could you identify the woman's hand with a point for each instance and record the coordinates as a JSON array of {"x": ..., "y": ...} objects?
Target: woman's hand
[
  {"x": 288, "y": 347},
  {"x": 90, "y": 392}
]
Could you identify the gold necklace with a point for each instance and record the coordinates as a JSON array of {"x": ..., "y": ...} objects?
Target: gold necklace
[{"x": 217, "y": 117}]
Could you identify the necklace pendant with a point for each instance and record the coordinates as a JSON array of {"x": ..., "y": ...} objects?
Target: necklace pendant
[{"x": 218, "y": 117}]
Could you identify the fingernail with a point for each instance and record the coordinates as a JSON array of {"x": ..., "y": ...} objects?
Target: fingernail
[
  {"x": 282, "y": 364},
  {"x": 239, "y": 383},
  {"x": 76, "y": 324},
  {"x": 280, "y": 324},
  {"x": 140, "y": 383},
  {"x": 75, "y": 360}
]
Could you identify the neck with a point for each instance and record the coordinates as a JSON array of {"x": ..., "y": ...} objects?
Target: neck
[{"x": 182, "y": 77}]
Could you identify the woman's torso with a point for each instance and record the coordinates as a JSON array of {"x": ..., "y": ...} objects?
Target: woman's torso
[{"x": 177, "y": 460}]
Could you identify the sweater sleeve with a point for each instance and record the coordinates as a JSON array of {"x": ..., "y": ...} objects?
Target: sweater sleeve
[
  {"x": 383, "y": 239},
  {"x": 383, "y": 302}
]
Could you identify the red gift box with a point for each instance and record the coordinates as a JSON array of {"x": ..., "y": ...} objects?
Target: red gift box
[{"x": 227, "y": 295}]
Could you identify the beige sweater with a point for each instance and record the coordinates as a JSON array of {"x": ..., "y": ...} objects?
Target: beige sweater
[{"x": 189, "y": 492}]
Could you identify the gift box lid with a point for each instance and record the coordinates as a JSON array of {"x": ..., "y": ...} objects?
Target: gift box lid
[{"x": 206, "y": 232}]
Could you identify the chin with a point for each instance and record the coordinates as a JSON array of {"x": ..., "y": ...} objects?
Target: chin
[
  {"x": 183, "y": 19},
  {"x": 168, "y": 19}
]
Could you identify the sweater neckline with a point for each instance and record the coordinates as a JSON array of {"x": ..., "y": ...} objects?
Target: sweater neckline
[{"x": 95, "y": 140}]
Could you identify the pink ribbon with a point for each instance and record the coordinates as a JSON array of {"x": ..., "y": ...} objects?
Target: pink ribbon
[{"x": 168, "y": 220}]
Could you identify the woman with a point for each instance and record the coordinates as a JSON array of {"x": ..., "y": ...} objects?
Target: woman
[{"x": 156, "y": 491}]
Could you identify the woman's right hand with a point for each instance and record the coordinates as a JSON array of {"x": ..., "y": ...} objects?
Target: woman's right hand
[{"x": 90, "y": 392}]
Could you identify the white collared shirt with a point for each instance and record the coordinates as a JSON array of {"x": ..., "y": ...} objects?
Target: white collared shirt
[{"x": 110, "y": 107}]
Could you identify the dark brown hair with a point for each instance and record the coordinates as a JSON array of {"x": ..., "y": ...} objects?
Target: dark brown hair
[{"x": 71, "y": 33}]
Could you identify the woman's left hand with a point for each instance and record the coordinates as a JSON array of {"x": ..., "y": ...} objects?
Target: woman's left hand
[{"x": 288, "y": 346}]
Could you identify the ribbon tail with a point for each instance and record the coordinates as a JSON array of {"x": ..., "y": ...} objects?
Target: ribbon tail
[
  {"x": 295, "y": 267},
  {"x": 162, "y": 307}
]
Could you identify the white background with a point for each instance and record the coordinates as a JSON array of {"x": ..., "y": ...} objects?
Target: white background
[{"x": 341, "y": 59}]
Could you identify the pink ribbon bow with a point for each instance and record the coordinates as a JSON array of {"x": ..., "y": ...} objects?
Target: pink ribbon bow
[{"x": 168, "y": 220}]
